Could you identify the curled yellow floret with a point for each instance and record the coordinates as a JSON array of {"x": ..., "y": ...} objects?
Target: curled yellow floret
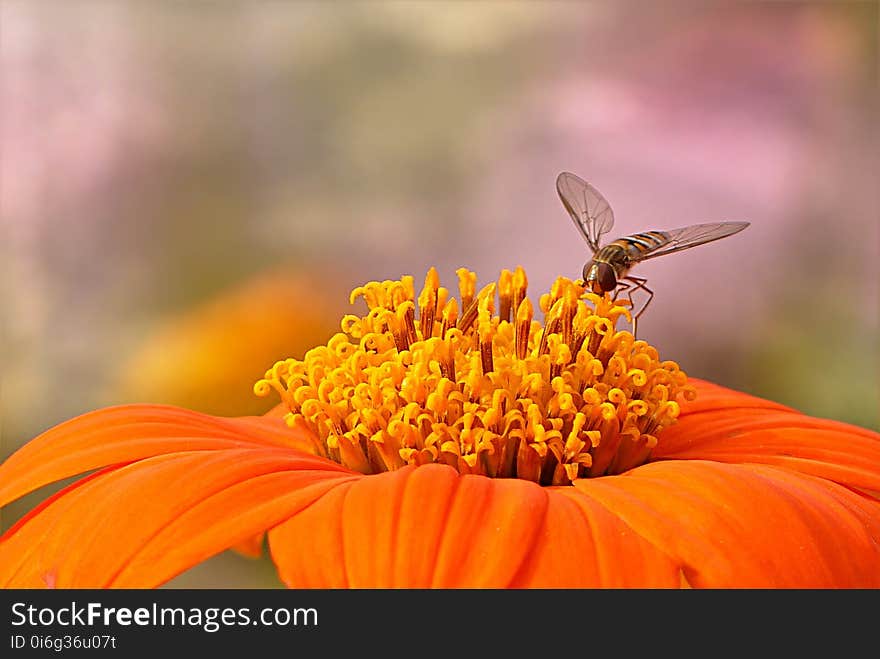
[{"x": 484, "y": 388}]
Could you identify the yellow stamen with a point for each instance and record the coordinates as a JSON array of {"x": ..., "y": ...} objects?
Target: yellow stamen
[
  {"x": 505, "y": 294},
  {"x": 499, "y": 395},
  {"x": 520, "y": 283},
  {"x": 448, "y": 317},
  {"x": 472, "y": 310},
  {"x": 486, "y": 333},
  {"x": 467, "y": 286},
  {"x": 523, "y": 328},
  {"x": 428, "y": 303}
]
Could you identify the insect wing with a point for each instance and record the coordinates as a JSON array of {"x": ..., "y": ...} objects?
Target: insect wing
[
  {"x": 590, "y": 211},
  {"x": 696, "y": 234}
]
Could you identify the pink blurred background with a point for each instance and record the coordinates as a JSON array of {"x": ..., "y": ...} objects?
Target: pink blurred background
[{"x": 160, "y": 162}]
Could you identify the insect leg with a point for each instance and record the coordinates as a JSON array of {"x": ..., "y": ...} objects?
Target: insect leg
[
  {"x": 624, "y": 292},
  {"x": 638, "y": 283},
  {"x": 623, "y": 287}
]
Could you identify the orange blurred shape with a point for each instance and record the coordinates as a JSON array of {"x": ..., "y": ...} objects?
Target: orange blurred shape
[{"x": 208, "y": 358}]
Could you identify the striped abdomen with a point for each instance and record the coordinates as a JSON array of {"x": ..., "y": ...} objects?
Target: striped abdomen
[{"x": 638, "y": 245}]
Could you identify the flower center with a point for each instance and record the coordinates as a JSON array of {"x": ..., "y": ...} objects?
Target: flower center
[{"x": 499, "y": 394}]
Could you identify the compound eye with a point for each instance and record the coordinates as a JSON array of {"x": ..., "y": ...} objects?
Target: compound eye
[
  {"x": 606, "y": 277},
  {"x": 589, "y": 271}
]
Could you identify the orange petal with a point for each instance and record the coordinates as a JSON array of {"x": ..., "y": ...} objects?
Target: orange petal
[
  {"x": 415, "y": 527},
  {"x": 141, "y": 524},
  {"x": 280, "y": 410},
  {"x": 584, "y": 545},
  {"x": 711, "y": 396},
  {"x": 251, "y": 547},
  {"x": 431, "y": 527},
  {"x": 733, "y": 427},
  {"x": 748, "y": 525},
  {"x": 127, "y": 433}
]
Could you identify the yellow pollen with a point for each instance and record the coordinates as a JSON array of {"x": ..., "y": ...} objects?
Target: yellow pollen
[{"x": 419, "y": 380}]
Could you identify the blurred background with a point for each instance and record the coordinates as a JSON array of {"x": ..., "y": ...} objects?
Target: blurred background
[{"x": 189, "y": 190}]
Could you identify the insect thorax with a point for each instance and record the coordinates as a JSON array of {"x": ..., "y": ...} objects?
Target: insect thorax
[{"x": 614, "y": 254}]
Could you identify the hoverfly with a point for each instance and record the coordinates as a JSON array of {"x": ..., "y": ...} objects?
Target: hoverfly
[{"x": 608, "y": 269}]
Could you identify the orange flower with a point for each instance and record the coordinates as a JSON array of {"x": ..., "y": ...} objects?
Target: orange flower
[
  {"x": 461, "y": 450},
  {"x": 225, "y": 342}
]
